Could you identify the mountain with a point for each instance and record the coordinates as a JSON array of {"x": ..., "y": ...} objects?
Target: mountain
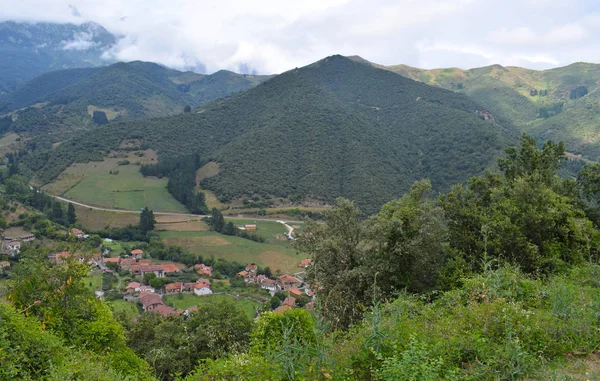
[
  {"x": 66, "y": 100},
  {"x": 556, "y": 104},
  {"x": 333, "y": 128},
  {"x": 28, "y": 50}
]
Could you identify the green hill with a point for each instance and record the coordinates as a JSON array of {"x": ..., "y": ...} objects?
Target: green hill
[
  {"x": 66, "y": 100},
  {"x": 557, "y": 104},
  {"x": 333, "y": 128}
]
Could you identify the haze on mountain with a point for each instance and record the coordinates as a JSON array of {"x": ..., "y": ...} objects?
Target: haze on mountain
[{"x": 333, "y": 128}]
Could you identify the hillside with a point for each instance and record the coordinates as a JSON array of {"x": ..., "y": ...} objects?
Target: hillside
[
  {"x": 333, "y": 128},
  {"x": 557, "y": 104},
  {"x": 29, "y": 50},
  {"x": 67, "y": 99}
]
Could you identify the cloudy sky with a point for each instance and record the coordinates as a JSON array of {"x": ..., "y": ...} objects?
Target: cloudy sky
[{"x": 271, "y": 36}]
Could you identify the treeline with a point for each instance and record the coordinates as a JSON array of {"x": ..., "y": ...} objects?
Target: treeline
[
  {"x": 525, "y": 216},
  {"x": 182, "y": 181},
  {"x": 217, "y": 222}
]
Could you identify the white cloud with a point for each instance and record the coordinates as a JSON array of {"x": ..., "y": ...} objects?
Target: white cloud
[
  {"x": 80, "y": 41},
  {"x": 276, "y": 35}
]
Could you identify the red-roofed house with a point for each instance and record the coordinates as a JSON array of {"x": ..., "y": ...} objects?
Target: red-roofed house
[
  {"x": 287, "y": 281},
  {"x": 13, "y": 246},
  {"x": 305, "y": 263},
  {"x": 269, "y": 284},
  {"x": 61, "y": 256},
  {"x": 289, "y": 301},
  {"x": 295, "y": 291},
  {"x": 156, "y": 269},
  {"x": 145, "y": 262},
  {"x": 202, "y": 287},
  {"x": 137, "y": 253},
  {"x": 126, "y": 263},
  {"x": 251, "y": 268},
  {"x": 169, "y": 268},
  {"x": 174, "y": 288},
  {"x": 132, "y": 287},
  {"x": 165, "y": 310},
  {"x": 77, "y": 233},
  {"x": 150, "y": 301},
  {"x": 146, "y": 289},
  {"x": 202, "y": 269},
  {"x": 111, "y": 260},
  {"x": 243, "y": 274}
]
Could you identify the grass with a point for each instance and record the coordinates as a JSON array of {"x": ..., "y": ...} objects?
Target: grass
[
  {"x": 130, "y": 309},
  {"x": 93, "y": 282},
  {"x": 92, "y": 183},
  {"x": 278, "y": 255},
  {"x": 185, "y": 301},
  {"x": 98, "y": 219}
]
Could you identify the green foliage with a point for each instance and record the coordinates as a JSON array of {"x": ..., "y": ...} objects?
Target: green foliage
[
  {"x": 99, "y": 117},
  {"x": 147, "y": 220},
  {"x": 71, "y": 216},
  {"x": 174, "y": 345},
  {"x": 272, "y": 329}
]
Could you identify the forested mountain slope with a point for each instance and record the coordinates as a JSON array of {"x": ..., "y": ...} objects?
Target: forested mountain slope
[
  {"x": 333, "y": 128},
  {"x": 70, "y": 100},
  {"x": 556, "y": 104}
]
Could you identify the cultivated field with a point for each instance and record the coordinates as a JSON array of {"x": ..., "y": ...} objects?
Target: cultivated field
[{"x": 111, "y": 185}]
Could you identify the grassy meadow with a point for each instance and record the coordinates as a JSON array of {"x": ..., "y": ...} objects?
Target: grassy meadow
[
  {"x": 276, "y": 252},
  {"x": 132, "y": 310},
  {"x": 124, "y": 188}
]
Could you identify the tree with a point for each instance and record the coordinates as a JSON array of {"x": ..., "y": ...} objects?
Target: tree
[
  {"x": 229, "y": 229},
  {"x": 187, "y": 108},
  {"x": 274, "y": 302},
  {"x": 57, "y": 211},
  {"x": 99, "y": 117},
  {"x": 339, "y": 256},
  {"x": 218, "y": 222},
  {"x": 71, "y": 216},
  {"x": 147, "y": 220},
  {"x": 408, "y": 240}
]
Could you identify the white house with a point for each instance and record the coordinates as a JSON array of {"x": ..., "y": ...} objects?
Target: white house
[
  {"x": 202, "y": 289},
  {"x": 269, "y": 284},
  {"x": 14, "y": 246}
]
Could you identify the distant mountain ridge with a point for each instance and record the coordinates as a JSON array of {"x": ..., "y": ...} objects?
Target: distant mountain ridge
[
  {"x": 31, "y": 49},
  {"x": 332, "y": 128},
  {"x": 67, "y": 99},
  {"x": 556, "y": 104}
]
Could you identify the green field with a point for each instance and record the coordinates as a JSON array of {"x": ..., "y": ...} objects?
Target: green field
[
  {"x": 188, "y": 300},
  {"x": 93, "y": 282},
  {"x": 92, "y": 183},
  {"x": 277, "y": 252},
  {"x": 130, "y": 309}
]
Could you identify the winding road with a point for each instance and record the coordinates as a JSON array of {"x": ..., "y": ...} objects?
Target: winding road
[{"x": 164, "y": 213}]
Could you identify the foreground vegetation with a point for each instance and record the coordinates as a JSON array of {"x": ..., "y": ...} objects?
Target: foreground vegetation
[{"x": 496, "y": 279}]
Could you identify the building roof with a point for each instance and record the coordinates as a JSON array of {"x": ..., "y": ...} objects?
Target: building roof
[
  {"x": 149, "y": 298},
  {"x": 251, "y": 267},
  {"x": 169, "y": 267},
  {"x": 202, "y": 283},
  {"x": 14, "y": 243},
  {"x": 145, "y": 262},
  {"x": 137, "y": 252},
  {"x": 148, "y": 269},
  {"x": 285, "y": 278},
  {"x": 111, "y": 260},
  {"x": 174, "y": 286},
  {"x": 128, "y": 261},
  {"x": 268, "y": 281},
  {"x": 242, "y": 273},
  {"x": 289, "y": 301},
  {"x": 133, "y": 285},
  {"x": 76, "y": 231},
  {"x": 63, "y": 254},
  {"x": 164, "y": 310},
  {"x": 295, "y": 291},
  {"x": 282, "y": 309},
  {"x": 305, "y": 262}
]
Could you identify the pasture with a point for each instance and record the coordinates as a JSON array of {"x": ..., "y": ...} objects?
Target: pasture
[{"x": 112, "y": 184}]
